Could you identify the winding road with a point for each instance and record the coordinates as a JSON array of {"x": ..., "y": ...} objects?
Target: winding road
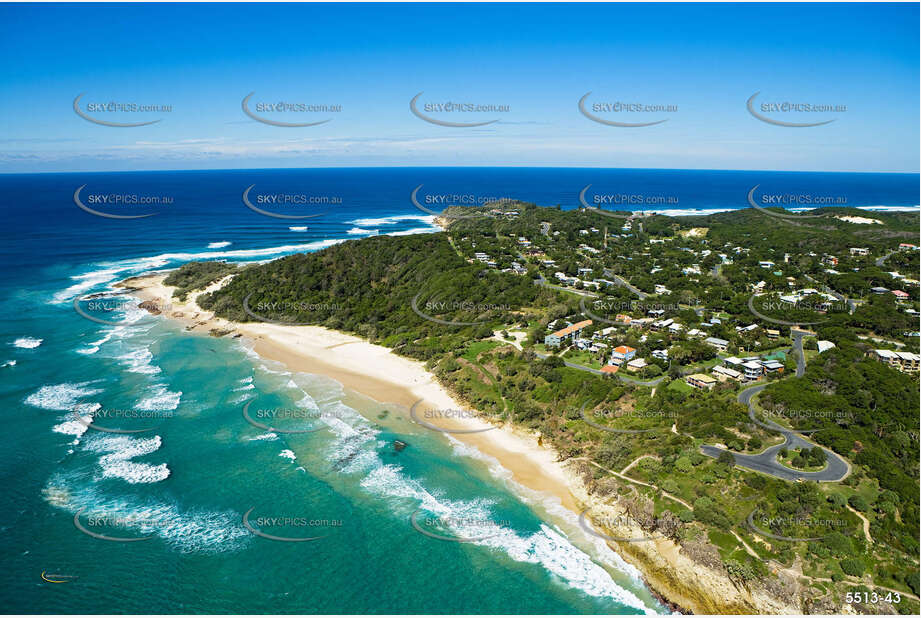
[{"x": 836, "y": 468}]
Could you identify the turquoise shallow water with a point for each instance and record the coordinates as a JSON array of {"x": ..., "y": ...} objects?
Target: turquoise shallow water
[
  {"x": 185, "y": 481},
  {"x": 188, "y": 480}
]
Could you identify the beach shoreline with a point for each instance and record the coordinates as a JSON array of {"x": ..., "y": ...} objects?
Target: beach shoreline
[
  {"x": 674, "y": 579},
  {"x": 373, "y": 371}
]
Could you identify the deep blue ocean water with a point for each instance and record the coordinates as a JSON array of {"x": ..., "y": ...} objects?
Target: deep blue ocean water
[{"x": 188, "y": 481}]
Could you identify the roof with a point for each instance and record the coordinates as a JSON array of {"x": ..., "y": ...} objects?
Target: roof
[
  {"x": 716, "y": 340},
  {"x": 609, "y": 369},
  {"x": 572, "y": 328},
  {"x": 752, "y": 365},
  {"x": 700, "y": 377},
  {"x": 637, "y": 362},
  {"x": 624, "y": 349},
  {"x": 732, "y": 373},
  {"x": 885, "y": 353}
]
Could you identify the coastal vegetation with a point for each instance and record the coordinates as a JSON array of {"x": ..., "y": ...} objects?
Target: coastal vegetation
[{"x": 475, "y": 303}]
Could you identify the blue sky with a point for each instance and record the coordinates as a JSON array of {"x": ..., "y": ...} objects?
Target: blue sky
[{"x": 538, "y": 60}]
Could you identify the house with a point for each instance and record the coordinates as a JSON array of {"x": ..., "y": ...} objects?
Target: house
[
  {"x": 772, "y": 333},
  {"x": 879, "y": 290},
  {"x": 571, "y": 332},
  {"x": 906, "y": 362},
  {"x": 610, "y": 369},
  {"x": 622, "y": 354},
  {"x": 660, "y": 354},
  {"x": 830, "y": 260},
  {"x": 752, "y": 370},
  {"x": 719, "y": 344},
  {"x": 725, "y": 373},
  {"x": 696, "y": 332},
  {"x": 772, "y": 366},
  {"x": 766, "y": 264},
  {"x": 656, "y": 312},
  {"x": 584, "y": 271},
  {"x": 904, "y": 246},
  {"x": 700, "y": 381},
  {"x": 661, "y": 289},
  {"x": 860, "y": 251},
  {"x": 661, "y": 324},
  {"x": 636, "y": 364},
  {"x": 675, "y": 328},
  {"x": 746, "y": 329},
  {"x": 900, "y": 295}
]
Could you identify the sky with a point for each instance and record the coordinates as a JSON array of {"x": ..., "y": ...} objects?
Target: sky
[{"x": 696, "y": 64}]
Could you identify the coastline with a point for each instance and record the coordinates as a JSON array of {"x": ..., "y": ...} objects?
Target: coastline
[
  {"x": 674, "y": 579},
  {"x": 374, "y": 371}
]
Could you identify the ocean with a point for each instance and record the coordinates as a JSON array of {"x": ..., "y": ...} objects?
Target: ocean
[{"x": 193, "y": 468}]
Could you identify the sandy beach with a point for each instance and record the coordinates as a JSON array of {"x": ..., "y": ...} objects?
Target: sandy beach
[{"x": 373, "y": 371}]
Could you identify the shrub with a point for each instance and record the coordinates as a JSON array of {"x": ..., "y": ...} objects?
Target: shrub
[
  {"x": 852, "y": 566},
  {"x": 858, "y": 503}
]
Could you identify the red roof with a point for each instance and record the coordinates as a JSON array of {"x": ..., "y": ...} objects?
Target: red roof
[{"x": 624, "y": 349}]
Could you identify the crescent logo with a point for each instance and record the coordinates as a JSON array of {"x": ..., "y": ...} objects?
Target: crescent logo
[
  {"x": 86, "y": 208},
  {"x": 80, "y": 311},
  {"x": 91, "y": 425},
  {"x": 765, "y": 533},
  {"x": 585, "y": 526},
  {"x": 417, "y": 420},
  {"x": 52, "y": 578},
  {"x": 255, "y": 423},
  {"x": 611, "y": 123},
  {"x": 751, "y": 307},
  {"x": 415, "y": 307},
  {"x": 751, "y": 110},
  {"x": 276, "y": 123},
  {"x": 597, "y": 317},
  {"x": 106, "y": 123},
  {"x": 600, "y": 211},
  {"x": 443, "y": 123},
  {"x": 256, "y": 316},
  {"x": 266, "y": 213},
  {"x": 611, "y": 429},
  {"x": 413, "y": 197},
  {"x": 272, "y": 537},
  {"x": 440, "y": 537},
  {"x": 95, "y": 535}
]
